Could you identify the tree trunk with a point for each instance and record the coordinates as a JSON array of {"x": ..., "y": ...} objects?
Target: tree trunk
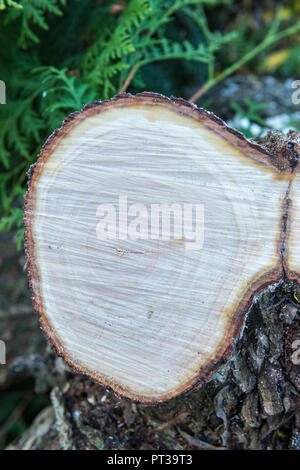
[
  {"x": 150, "y": 318},
  {"x": 252, "y": 402}
]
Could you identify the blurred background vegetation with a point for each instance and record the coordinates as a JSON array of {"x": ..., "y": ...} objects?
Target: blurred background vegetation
[{"x": 57, "y": 55}]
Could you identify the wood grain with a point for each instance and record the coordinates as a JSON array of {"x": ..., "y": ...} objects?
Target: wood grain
[{"x": 150, "y": 318}]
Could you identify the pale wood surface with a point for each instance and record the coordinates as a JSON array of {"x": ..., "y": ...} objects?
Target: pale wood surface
[
  {"x": 294, "y": 227},
  {"x": 150, "y": 317}
]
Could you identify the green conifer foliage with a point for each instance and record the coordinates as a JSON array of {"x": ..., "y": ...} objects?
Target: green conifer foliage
[{"x": 58, "y": 55}]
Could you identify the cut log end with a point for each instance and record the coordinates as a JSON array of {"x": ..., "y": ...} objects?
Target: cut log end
[{"x": 150, "y": 226}]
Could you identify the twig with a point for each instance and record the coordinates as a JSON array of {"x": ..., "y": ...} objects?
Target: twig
[
  {"x": 128, "y": 79},
  {"x": 198, "y": 94},
  {"x": 163, "y": 426},
  {"x": 270, "y": 39},
  {"x": 197, "y": 443},
  {"x": 15, "y": 415}
]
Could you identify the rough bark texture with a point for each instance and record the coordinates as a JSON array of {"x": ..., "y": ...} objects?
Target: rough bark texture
[{"x": 252, "y": 402}]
